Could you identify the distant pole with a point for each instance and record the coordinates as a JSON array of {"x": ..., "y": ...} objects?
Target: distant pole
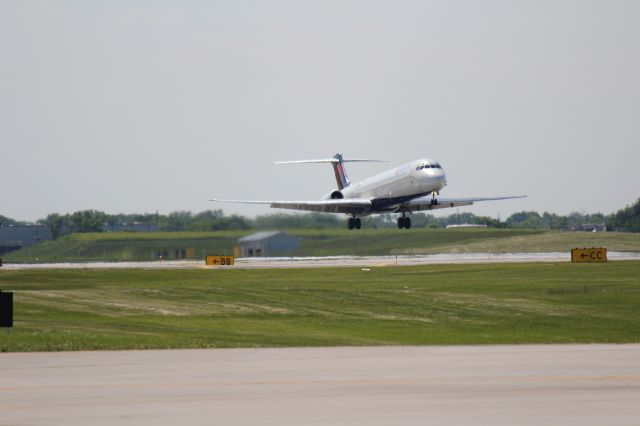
[{"x": 458, "y": 216}]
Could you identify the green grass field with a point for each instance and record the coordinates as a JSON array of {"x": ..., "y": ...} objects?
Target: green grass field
[
  {"x": 144, "y": 246},
  {"x": 440, "y": 304},
  {"x": 124, "y": 246}
]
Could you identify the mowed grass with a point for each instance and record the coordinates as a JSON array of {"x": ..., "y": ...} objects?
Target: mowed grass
[
  {"x": 373, "y": 242},
  {"x": 125, "y": 246},
  {"x": 439, "y": 304},
  {"x": 537, "y": 242}
]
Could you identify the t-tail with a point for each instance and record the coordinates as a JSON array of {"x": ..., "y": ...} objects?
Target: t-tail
[
  {"x": 338, "y": 167},
  {"x": 341, "y": 175}
]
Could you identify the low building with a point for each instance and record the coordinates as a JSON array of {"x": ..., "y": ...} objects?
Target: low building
[
  {"x": 17, "y": 237},
  {"x": 268, "y": 243}
]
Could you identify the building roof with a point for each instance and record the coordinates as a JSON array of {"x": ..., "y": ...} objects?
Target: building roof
[{"x": 259, "y": 236}]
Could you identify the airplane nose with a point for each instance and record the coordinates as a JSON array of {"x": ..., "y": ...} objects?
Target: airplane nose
[
  {"x": 442, "y": 178},
  {"x": 436, "y": 176}
]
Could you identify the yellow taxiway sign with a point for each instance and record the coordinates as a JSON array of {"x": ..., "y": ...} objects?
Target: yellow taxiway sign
[
  {"x": 588, "y": 255},
  {"x": 219, "y": 260}
]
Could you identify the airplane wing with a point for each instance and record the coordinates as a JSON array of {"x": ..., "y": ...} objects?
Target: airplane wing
[
  {"x": 424, "y": 203},
  {"x": 348, "y": 206}
]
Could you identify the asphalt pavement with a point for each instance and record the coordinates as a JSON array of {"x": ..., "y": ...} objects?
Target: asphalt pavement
[
  {"x": 443, "y": 385},
  {"x": 328, "y": 261}
]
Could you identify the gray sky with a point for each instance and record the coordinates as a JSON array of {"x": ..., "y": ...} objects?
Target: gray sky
[{"x": 157, "y": 105}]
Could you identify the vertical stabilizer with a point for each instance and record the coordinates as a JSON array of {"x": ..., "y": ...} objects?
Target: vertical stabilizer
[{"x": 341, "y": 175}]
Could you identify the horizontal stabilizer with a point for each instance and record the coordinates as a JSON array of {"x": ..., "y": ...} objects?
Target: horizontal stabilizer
[
  {"x": 330, "y": 160},
  {"x": 337, "y": 162}
]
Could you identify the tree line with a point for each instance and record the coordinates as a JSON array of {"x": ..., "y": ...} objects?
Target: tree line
[{"x": 626, "y": 220}]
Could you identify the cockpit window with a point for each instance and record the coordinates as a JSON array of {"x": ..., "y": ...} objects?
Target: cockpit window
[{"x": 429, "y": 166}]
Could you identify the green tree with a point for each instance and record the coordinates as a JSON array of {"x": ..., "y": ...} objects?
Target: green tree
[
  {"x": 7, "y": 221},
  {"x": 525, "y": 220},
  {"x": 55, "y": 222},
  {"x": 307, "y": 220},
  {"x": 206, "y": 220},
  {"x": 177, "y": 221},
  {"x": 87, "y": 221},
  {"x": 627, "y": 219}
]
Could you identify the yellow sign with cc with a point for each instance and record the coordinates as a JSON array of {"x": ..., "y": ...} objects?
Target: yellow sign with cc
[{"x": 588, "y": 255}]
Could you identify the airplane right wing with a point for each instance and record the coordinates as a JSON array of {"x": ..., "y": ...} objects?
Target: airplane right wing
[
  {"x": 348, "y": 206},
  {"x": 424, "y": 203}
]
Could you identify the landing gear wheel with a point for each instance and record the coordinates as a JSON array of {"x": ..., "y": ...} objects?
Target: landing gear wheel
[
  {"x": 351, "y": 223},
  {"x": 358, "y": 223},
  {"x": 404, "y": 222}
]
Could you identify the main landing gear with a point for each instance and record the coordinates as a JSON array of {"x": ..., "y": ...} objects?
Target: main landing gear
[
  {"x": 354, "y": 222},
  {"x": 404, "y": 222}
]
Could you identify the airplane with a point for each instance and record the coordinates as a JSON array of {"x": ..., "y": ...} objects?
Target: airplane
[{"x": 412, "y": 187}]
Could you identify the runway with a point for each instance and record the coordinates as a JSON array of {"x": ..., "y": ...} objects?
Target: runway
[
  {"x": 491, "y": 385},
  {"x": 328, "y": 261}
]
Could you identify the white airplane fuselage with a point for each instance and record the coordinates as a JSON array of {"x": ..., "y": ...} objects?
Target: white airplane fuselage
[
  {"x": 410, "y": 188},
  {"x": 411, "y": 179}
]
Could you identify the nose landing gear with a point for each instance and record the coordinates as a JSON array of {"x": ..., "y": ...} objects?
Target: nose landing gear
[{"x": 434, "y": 200}]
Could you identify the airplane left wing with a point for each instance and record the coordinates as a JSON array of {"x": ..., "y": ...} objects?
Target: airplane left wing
[
  {"x": 348, "y": 206},
  {"x": 425, "y": 203}
]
